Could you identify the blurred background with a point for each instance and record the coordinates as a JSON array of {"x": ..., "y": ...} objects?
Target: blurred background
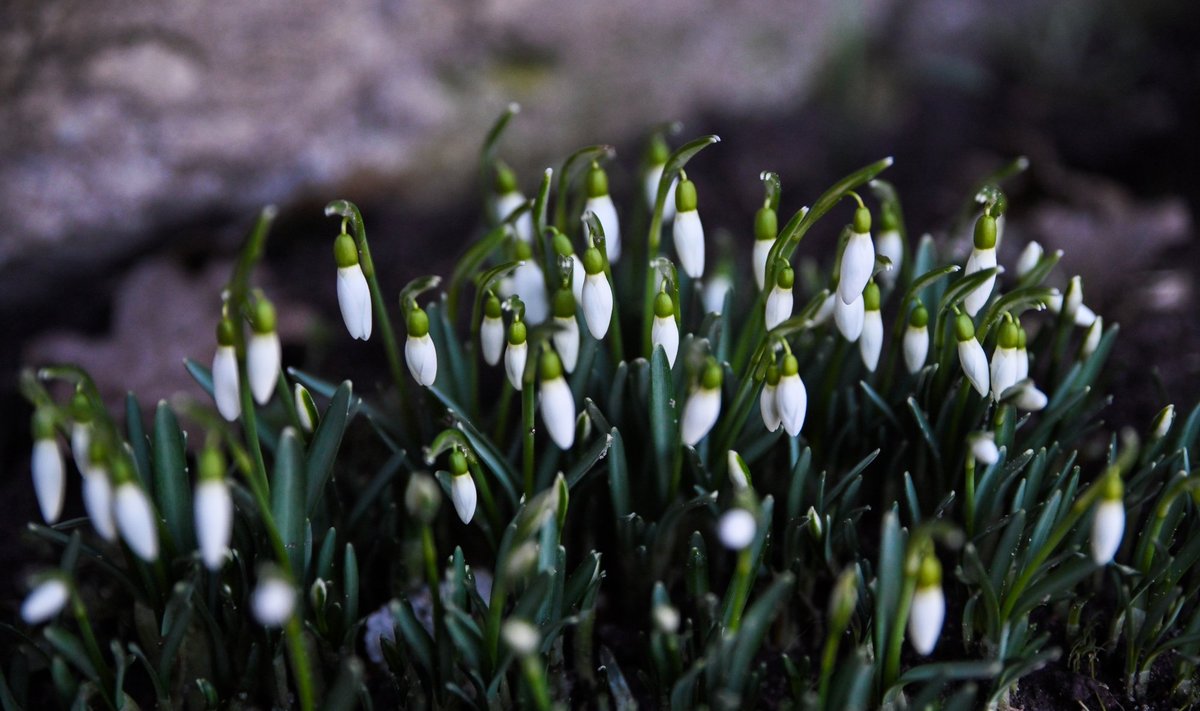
[{"x": 139, "y": 140}]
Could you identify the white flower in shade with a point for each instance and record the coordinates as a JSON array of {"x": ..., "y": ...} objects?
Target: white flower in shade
[
  {"x": 736, "y": 529},
  {"x": 47, "y": 467},
  {"x": 768, "y": 400},
  {"x": 739, "y": 473},
  {"x": 306, "y": 409},
  {"x": 791, "y": 397},
  {"x": 274, "y": 600},
  {"x": 1030, "y": 256},
  {"x": 653, "y": 176},
  {"x": 666, "y": 619},
  {"x": 527, "y": 283},
  {"x": 983, "y": 448},
  {"x": 98, "y": 503},
  {"x": 664, "y": 331},
  {"x": 419, "y": 351},
  {"x": 1108, "y": 523},
  {"x": 703, "y": 406},
  {"x": 1084, "y": 316},
  {"x": 45, "y": 601},
  {"x": 928, "y": 610},
  {"x": 1029, "y": 398},
  {"x": 715, "y": 290},
  {"x": 81, "y": 440},
  {"x": 824, "y": 311},
  {"x": 566, "y": 333},
  {"x": 354, "y": 296},
  {"x": 780, "y": 300},
  {"x": 597, "y": 295},
  {"x": 263, "y": 353},
  {"x": 849, "y": 318},
  {"x": 889, "y": 244},
  {"x": 600, "y": 203},
  {"x": 558, "y": 404},
  {"x": 225, "y": 374},
  {"x": 916, "y": 339},
  {"x": 1162, "y": 422},
  {"x": 462, "y": 495},
  {"x": 1092, "y": 340},
  {"x": 521, "y": 637},
  {"x": 516, "y": 354},
  {"x": 971, "y": 356},
  {"x": 136, "y": 520},
  {"x": 983, "y": 256},
  {"x": 213, "y": 508},
  {"x": 762, "y": 250},
  {"x": 766, "y": 229},
  {"x": 1005, "y": 365},
  {"x": 870, "y": 343},
  {"x": 491, "y": 338},
  {"x": 1022, "y": 355},
  {"x": 508, "y": 199},
  {"x": 1074, "y": 298},
  {"x": 858, "y": 258},
  {"x": 577, "y": 277},
  {"x": 687, "y": 230}
]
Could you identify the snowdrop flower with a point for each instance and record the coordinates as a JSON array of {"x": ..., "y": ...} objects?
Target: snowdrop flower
[
  {"x": 664, "y": 331},
  {"x": 824, "y": 311},
  {"x": 491, "y": 331},
  {"x": 688, "y": 232},
  {"x": 462, "y": 487},
  {"x": 858, "y": 258},
  {"x": 516, "y": 354},
  {"x": 1029, "y": 398},
  {"x": 578, "y": 274},
  {"x": 81, "y": 431},
  {"x": 739, "y": 472},
  {"x": 1108, "y": 523},
  {"x": 1162, "y": 422},
  {"x": 849, "y": 318},
  {"x": 263, "y": 352},
  {"x": 766, "y": 229},
  {"x": 419, "y": 351},
  {"x": 354, "y": 296},
  {"x": 983, "y": 448},
  {"x": 306, "y": 409},
  {"x": 508, "y": 199},
  {"x": 970, "y": 355},
  {"x": 226, "y": 388},
  {"x": 737, "y": 529},
  {"x": 97, "y": 495},
  {"x": 1005, "y": 359},
  {"x": 1072, "y": 304},
  {"x": 274, "y": 600},
  {"x": 916, "y": 339},
  {"x": 928, "y": 610},
  {"x": 656, "y": 161},
  {"x": 703, "y": 406},
  {"x": 780, "y": 300},
  {"x": 768, "y": 399},
  {"x": 47, "y": 466},
  {"x": 1030, "y": 256},
  {"x": 566, "y": 336},
  {"x": 666, "y": 619},
  {"x": 1022, "y": 354},
  {"x": 133, "y": 513},
  {"x": 45, "y": 601},
  {"x": 597, "y": 294},
  {"x": 715, "y": 290},
  {"x": 213, "y": 509},
  {"x": 528, "y": 283},
  {"x": 889, "y": 243},
  {"x": 1092, "y": 340},
  {"x": 558, "y": 404},
  {"x": 600, "y": 203},
  {"x": 791, "y": 397},
  {"x": 521, "y": 637},
  {"x": 870, "y": 344},
  {"x": 983, "y": 256}
]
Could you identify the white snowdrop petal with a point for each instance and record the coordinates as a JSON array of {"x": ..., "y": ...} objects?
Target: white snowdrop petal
[
  {"x": 527, "y": 283},
  {"x": 1030, "y": 256},
  {"x": 849, "y": 317},
  {"x": 714, "y": 293},
  {"x": 421, "y": 357},
  {"x": 983, "y": 448},
  {"x": 514, "y": 363},
  {"x": 521, "y": 637},
  {"x": 136, "y": 520},
  {"x": 523, "y": 225},
  {"x": 768, "y": 407},
  {"x": 558, "y": 411},
  {"x": 273, "y": 602},
  {"x": 225, "y": 383},
  {"x": 1003, "y": 371},
  {"x": 825, "y": 310},
  {"x": 1022, "y": 364},
  {"x": 926, "y": 616},
  {"x": 263, "y": 360},
  {"x": 597, "y": 304},
  {"x": 1108, "y": 526},
  {"x": 1085, "y": 316},
  {"x": 870, "y": 343},
  {"x": 1074, "y": 296},
  {"x": 858, "y": 261},
  {"x": 566, "y": 341},
  {"x": 889, "y": 244},
  {"x": 689, "y": 242},
  {"x": 354, "y": 299},
  {"x": 463, "y": 496},
  {"x": 665, "y": 332},
  {"x": 791, "y": 400},
  {"x": 974, "y": 364},
  {"x": 916, "y": 347},
  {"x": 45, "y": 601},
  {"x": 762, "y": 249},
  {"x": 700, "y": 413},
  {"x": 491, "y": 339},
  {"x": 1030, "y": 399},
  {"x": 98, "y": 503},
  {"x": 81, "y": 440},
  {"x": 737, "y": 529},
  {"x": 737, "y": 472},
  {"x": 604, "y": 210},
  {"x": 979, "y": 260},
  {"x": 653, "y": 176},
  {"x": 779, "y": 307},
  {"x": 49, "y": 477},
  {"x": 213, "y": 513},
  {"x": 1092, "y": 340}
]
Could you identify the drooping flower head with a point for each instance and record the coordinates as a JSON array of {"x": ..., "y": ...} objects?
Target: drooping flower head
[
  {"x": 983, "y": 256},
  {"x": 780, "y": 300},
  {"x": 133, "y": 513},
  {"x": 766, "y": 229},
  {"x": 1108, "y": 523},
  {"x": 517, "y": 351},
  {"x": 858, "y": 257},
  {"x": 768, "y": 400},
  {"x": 226, "y": 387},
  {"x": 870, "y": 343},
  {"x": 419, "y": 351},
  {"x": 462, "y": 486},
  {"x": 508, "y": 200},
  {"x": 890, "y": 243},
  {"x": 264, "y": 355},
  {"x": 687, "y": 230},
  {"x": 703, "y": 406},
  {"x": 1005, "y": 366},
  {"x": 354, "y": 296},
  {"x": 600, "y": 203},
  {"x": 47, "y": 466},
  {"x": 970, "y": 354},
  {"x": 916, "y": 338},
  {"x": 597, "y": 294},
  {"x": 928, "y": 610},
  {"x": 665, "y": 331},
  {"x": 558, "y": 404},
  {"x": 657, "y": 153},
  {"x": 566, "y": 333},
  {"x": 791, "y": 397},
  {"x": 213, "y": 509},
  {"x": 491, "y": 330}
]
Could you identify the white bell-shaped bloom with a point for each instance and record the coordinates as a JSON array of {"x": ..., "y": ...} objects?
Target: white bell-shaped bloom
[
  {"x": 739, "y": 473},
  {"x": 858, "y": 263},
  {"x": 926, "y": 616},
  {"x": 870, "y": 344},
  {"x": 354, "y": 298},
  {"x": 49, "y": 476},
  {"x": 566, "y": 341},
  {"x": 1022, "y": 356},
  {"x": 274, "y": 601},
  {"x": 505, "y": 205},
  {"x": 463, "y": 496},
  {"x": 665, "y": 332},
  {"x": 213, "y": 510},
  {"x": 45, "y": 601},
  {"x": 558, "y": 410},
  {"x": 1003, "y": 370},
  {"x": 98, "y": 502},
  {"x": 1092, "y": 340},
  {"x": 225, "y": 383},
  {"x": 577, "y": 277},
  {"x": 703, "y": 406},
  {"x": 979, "y": 260},
  {"x": 824, "y": 311},
  {"x": 983, "y": 448},
  {"x": 1108, "y": 527},
  {"x": 849, "y": 318},
  {"x": 1029, "y": 398},
  {"x": 136, "y": 520},
  {"x": 715, "y": 289},
  {"x": 689, "y": 242},
  {"x": 421, "y": 357},
  {"x": 736, "y": 529},
  {"x": 791, "y": 400},
  {"x": 916, "y": 347},
  {"x": 514, "y": 362},
  {"x": 974, "y": 364},
  {"x": 604, "y": 210},
  {"x": 779, "y": 306},
  {"x": 491, "y": 339},
  {"x": 521, "y": 637},
  {"x": 762, "y": 249},
  {"x": 527, "y": 282},
  {"x": 1030, "y": 256},
  {"x": 1162, "y": 422},
  {"x": 597, "y": 304},
  {"x": 263, "y": 361},
  {"x": 889, "y": 244},
  {"x": 653, "y": 176},
  {"x": 1084, "y": 316},
  {"x": 306, "y": 409},
  {"x": 768, "y": 400},
  {"x": 81, "y": 439}
]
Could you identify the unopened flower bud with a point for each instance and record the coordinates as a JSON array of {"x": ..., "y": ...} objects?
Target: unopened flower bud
[
  {"x": 422, "y": 498},
  {"x": 306, "y": 408},
  {"x": 780, "y": 300},
  {"x": 737, "y": 529},
  {"x": 1162, "y": 422},
  {"x": 870, "y": 342},
  {"x": 274, "y": 599},
  {"x": 702, "y": 408},
  {"x": 766, "y": 228},
  {"x": 664, "y": 331},
  {"x": 263, "y": 352},
  {"x": 600, "y": 203},
  {"x": 687, "y": 230},
  {"x": 849, "y": 318},
  {"x": 134, "y": 514},
  {"x": 1030, "y": 256},
  {"x": 983, "y": 448},
  {"x": 491, "y": 330},
  {"x": 971, "y": 356},
  {"x": 516, "y": 354},
  {"x": 768, "y": 400},
  {"x": 558, "y": 404},
  {"x": 739, "y": 472},
  {"x": 521, "y": 637},
  {"x": 213, "y": 509},
  {"x": 566, "y": 335},
  {"x": 983, "y": 256},
  {"x": 354, "y": 296},
  {"x": 1004, "y": 365},
  {"x": 916, "y": 339},
  {"x": 1108, "y": 523},
  {"x": 791, "y": 397},
  {"x": 47, "y": 466},
  {"x": 858, "y": 258},
  {"x": 225, "y": 373},
  {"x": 419, "y": 351},
  {"x": 46, "y": 600},
  {"x": 928, "y": 610}
]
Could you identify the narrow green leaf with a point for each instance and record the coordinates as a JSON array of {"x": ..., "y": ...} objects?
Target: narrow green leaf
[
  {"x": 664, "y": 419},
  {"x": 754, "y": 627},
  {"x": 201, "y": 374},
  {"x": 287, "y": 497},
  {"x": 71, "y": 649},
  {"x": 136, "y": 434},
  {"x": 172, "y": 493},
  {"x": 343, "y": 695},
  {"x": 322, "y": 451},
  {"x": 618, "y": 476}
]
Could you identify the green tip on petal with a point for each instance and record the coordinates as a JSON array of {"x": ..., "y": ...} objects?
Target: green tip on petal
[
  {"x": 929, "y": 575},
  {"x": 551, "y": 366},
  {"x": 871, "y": 298},
  {"x": 593, "y": 261},
  {"x": 597, "y": 181},
  {"x": 458, "y": 462},
  {"x": 657, "y": 152},
  {"x": 43, "y": 423},
  {"x": 491, "y": 307},
  {"x": 564, "y": 303},
  {"x": 506, "y": 180},
  {"x": 418, "y": 323},
  {"x": 345, "y": 252},
  {"x": 211, "y": 464},
  {"x": 264, "y": 317},
  {"x": 1114, "y": 488},
  {"x": 766, "y": 223},
  {"x": 791, "y": 366},
  {"x": 964, "y": 327},
  {"x": 712, "y": 377},
  {"x": 81, "y": 407},
  {"x": 785, "y": 277},
  {"x": 1022, "y": 338},
  {"x": 664, "y": 307},
  {"x": 862, "y": 220},
  {"x": 919, "y": 318},
  {"x": 562, "y": 245},
  {"x": 685, "y": 196},
  {"x": 985, "y": 232},
  {"x": 523, "y": 250},
  {"x": 517, "y": 333},
  {"x": 1010, "y": 335},
  {"x": 225, "y": 332}
]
